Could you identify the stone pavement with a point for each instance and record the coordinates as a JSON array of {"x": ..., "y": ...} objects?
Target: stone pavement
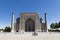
[{"x": 30, "y": 36}]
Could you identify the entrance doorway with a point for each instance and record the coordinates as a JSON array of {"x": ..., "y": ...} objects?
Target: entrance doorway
[{"x": 29, "y": 25}]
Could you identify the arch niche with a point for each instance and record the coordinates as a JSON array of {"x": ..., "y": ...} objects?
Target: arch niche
[{"x": 29, "y": 25}]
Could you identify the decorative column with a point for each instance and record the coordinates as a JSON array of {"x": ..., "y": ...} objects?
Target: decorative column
[
  {"x": 12, "y": 23},
  {"x": 46, "y": 23}
]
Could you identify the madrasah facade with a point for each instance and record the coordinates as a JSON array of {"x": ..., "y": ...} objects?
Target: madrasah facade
[{"x": 29, "y": 22}]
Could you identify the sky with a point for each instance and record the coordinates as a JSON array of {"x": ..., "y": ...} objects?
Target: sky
[{"x": 51, "y": 7}]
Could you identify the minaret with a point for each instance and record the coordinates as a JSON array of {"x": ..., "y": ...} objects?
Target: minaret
[
  {"x": 46, "y": 23},
  {"x": 12, "y": 23}
]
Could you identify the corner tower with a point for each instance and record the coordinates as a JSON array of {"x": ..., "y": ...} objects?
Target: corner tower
[
  {"x": 46, "y": 23},
  {"x": 12, "y": 23}
]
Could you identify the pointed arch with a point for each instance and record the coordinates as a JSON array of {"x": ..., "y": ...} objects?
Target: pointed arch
[{"x": 29, "y": 25}]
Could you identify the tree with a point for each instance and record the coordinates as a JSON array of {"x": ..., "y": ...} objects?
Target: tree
[
  {"x": 56, "y": 25},
  {"x": 1, "y": 30},
  {"x": 59, "y": 25},
  {"x": 52, "y": 26},
  {"x": 7, "y": 29}
]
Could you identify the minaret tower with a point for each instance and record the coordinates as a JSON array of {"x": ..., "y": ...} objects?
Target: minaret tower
[
  {"x": 12, "y": 23},
  {"x": 46, "y": 23}
]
